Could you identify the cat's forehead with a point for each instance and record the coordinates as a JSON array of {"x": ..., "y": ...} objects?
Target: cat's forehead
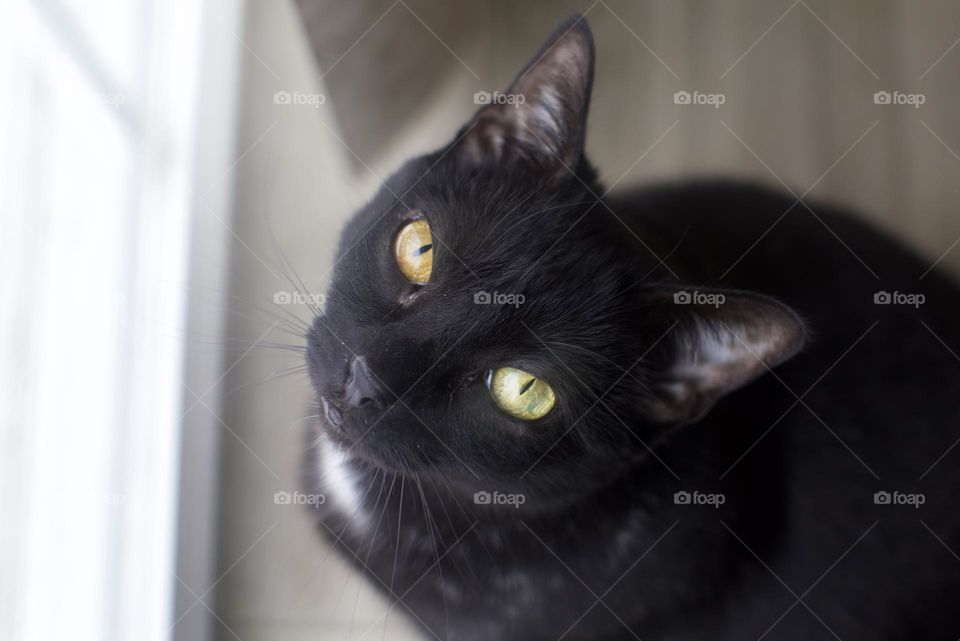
[
  {"x": 491, "y": 215},
  {"x": 505, "y": 246}
]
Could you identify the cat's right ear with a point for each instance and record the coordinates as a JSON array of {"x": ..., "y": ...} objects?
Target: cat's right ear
[
  {"x": 710, "y": 343},
  {"x": 540, "y": 119}
]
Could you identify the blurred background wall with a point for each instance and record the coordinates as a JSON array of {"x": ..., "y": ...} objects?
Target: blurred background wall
[{"x": 372, "y": 82}]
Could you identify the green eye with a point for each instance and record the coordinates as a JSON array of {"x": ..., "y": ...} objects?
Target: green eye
[
  {"x": 520, "y": 393},
  {"x": 413, "y": 250}
]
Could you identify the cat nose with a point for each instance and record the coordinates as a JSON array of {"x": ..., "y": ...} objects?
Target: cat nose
[{"x": 362, "y": 387}]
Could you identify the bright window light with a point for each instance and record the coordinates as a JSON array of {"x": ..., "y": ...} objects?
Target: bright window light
[{"x": 97, "y": 140}]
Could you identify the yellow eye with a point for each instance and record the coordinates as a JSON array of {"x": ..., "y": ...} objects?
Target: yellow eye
[
  {"x": 520, "y": 393},
  {"x": 414, "y": 251}
]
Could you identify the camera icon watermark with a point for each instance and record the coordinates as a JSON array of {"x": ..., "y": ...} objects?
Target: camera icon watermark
[
  {"x": 699, "y": 98},
  {"x": 497, "y": 98},
  {"x": 899, "y": 298},
  {"x": 299, "y": 98},
  {"x": 714, "y": 299},
  {"x": 884, "y": 497},
  {"x": 499, "y": 498},
  {"x": 684, "y": 497},
  {"x": 498, "y": 298},
  {"x": 899, "y": 98}
]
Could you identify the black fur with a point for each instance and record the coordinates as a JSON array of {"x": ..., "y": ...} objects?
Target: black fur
[{"x": 646, "y": 406}]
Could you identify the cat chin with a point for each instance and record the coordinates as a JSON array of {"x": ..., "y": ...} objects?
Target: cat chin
[
  {"x": 372, "y": 462},
  {"x": 341, "y": 482}
]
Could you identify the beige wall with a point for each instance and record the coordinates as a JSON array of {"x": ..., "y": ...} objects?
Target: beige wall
[{"x": 799, "y": 99}]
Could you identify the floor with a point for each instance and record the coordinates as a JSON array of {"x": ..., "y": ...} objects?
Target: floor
[{"x": 798, "y": 82}]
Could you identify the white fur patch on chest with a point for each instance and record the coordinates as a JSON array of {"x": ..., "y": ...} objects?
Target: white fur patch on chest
[{"x": 341, "y": 485}]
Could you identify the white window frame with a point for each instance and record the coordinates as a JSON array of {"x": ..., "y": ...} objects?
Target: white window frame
[{"x": 141, "y": 498}]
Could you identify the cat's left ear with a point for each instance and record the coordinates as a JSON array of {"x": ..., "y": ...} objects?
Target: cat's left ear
[
  {"x": 541, "y": 117},
  {"x": 711, "y": 342}
]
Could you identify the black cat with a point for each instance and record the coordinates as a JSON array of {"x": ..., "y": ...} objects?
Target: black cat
[{"x": 550, "y": 416}]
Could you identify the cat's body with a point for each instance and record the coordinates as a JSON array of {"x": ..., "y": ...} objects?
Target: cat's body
[{"x": 798, "y": 549}]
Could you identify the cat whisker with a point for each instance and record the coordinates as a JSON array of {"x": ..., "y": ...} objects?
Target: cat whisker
[
  {"x": 445, "y": 482},
  {"x": 537, "y": 213},
  {"x": 273, "y": 376},
  {"x": 291, "y": 320},
  {"x": 396, "y": 550},
  {"x": 297, "y": 327},
  {"x": 360, "y": 584},
  {"x": 453, "y": 530},
  {"x": 431, "y": 527},
  {"x": 295, "y": 280},
  {"x": 303, "y": 419}
]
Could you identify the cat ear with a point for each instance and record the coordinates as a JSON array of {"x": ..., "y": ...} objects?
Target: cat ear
[
  {"x": 541, "y": 117},
  {"x": 719, "y": 341}
]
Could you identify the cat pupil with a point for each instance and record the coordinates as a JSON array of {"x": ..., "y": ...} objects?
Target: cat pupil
[
  {"x": 527, "y": 386},
  {"x": 423, "y": 250}
]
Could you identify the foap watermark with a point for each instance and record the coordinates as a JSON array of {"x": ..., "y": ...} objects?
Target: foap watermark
[
  {"x": 114, "y": 499},
  {"x": 714, "y": 299},
  {"x": 899, "y": 498},
  {"x": 298, "y": 298},
  {"x": 498, "y": 298},
  {"x": 498, "y": 98},
  {"x": 899, "y": 298},
  {"x": 112, "y": 99},
  {"x": 699, "y": 98},
  {"x": 699, "y": 498},
  {"x": 299, "y": 98},
  {"x": 899, "y": 98},
  {"x": 499, "y": 498},
  {"x": 298, "y": 498}
]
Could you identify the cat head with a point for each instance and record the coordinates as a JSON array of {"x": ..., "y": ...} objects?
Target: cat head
[{"x": 487, "y": 325}]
